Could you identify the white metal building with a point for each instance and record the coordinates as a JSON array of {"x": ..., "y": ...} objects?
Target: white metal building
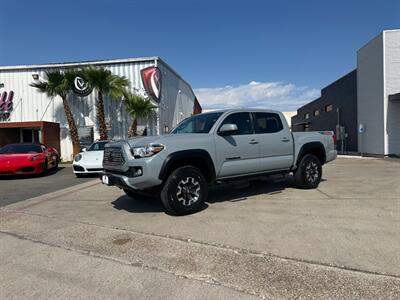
[
  {"x": 378, "y": 98},
  {"x": 175, "y": 102}
]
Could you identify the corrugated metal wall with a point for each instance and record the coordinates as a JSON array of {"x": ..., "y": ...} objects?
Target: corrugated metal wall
[
  {"x": 177, "y": 99},
  {"x": 392, "y": 86},
  {"x": 30, "y": 105}
]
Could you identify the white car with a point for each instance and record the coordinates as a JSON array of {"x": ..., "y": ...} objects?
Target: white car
[{"x": 89, "y": 161}]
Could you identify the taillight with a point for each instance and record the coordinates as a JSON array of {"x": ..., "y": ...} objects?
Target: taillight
[{"x": 331, "y": 134}]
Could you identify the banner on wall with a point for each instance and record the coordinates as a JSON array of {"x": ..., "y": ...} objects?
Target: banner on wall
[
  {"x": 6, "y": 104},
  {"x": 151, "y": 78}
]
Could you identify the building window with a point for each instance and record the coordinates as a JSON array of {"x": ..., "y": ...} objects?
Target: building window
[
  {"x": 328, "y": 107},
  {"x": 306, "y": 116},
  {"x": 316, "y": 112}
]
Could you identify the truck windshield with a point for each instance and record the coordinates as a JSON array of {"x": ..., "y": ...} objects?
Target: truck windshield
[{"x": 197, "y": 124}]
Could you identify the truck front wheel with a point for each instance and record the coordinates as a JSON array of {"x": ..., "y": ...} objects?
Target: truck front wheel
[
  {"x": 308, "y": 173},
  {"x": 185, "y": 191}
]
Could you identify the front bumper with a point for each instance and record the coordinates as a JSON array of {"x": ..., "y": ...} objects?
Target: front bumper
[
  {"x": 23, "y": 168},
  {"x": 80, "y": 169},
  {"x": 132, "y": 178}
]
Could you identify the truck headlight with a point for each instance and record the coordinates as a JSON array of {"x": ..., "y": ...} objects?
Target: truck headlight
[
  {"x": 78, "y": 157},
  {"x": 146, "y": 151}
]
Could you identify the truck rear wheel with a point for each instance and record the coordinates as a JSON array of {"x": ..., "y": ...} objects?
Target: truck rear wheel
[
  {"x": 308, "y": 173},
  {"x": 185, "y": 191}
]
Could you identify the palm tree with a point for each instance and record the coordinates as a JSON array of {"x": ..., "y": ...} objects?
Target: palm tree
[
  {"x": 139, "y": 108},
  {"x": 105, "y": 83},
  {"x": 58, "y": 83}
]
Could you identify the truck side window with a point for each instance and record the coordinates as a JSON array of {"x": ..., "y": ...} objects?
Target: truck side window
[
  {"x": 242, "y": 121},
  {"x": 267, "y": 123}
]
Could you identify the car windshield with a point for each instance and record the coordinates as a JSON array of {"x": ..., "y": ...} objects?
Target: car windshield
[
  {"x": 21, "y": 149},
  {"x": 99, "y": 146},
  {"x": 197, "y": 124}
]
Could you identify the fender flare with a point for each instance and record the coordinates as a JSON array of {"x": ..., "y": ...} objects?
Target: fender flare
[
  {"x": 174, "y": 157},
  {"x": 309, "y": 146}
]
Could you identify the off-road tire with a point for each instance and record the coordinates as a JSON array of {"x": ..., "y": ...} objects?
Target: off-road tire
[
  {"x": 185, "y": 191},
  {"x": 309, "y": 172}
]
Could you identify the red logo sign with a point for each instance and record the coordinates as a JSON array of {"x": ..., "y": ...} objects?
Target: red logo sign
[
  {"x": 151, "y": 78},
  {"x": 6, "y": 102}
]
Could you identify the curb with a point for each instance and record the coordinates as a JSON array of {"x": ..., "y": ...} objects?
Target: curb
[{"x": 356, "y": 157}]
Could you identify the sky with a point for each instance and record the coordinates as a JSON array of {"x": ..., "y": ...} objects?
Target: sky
[{"x": 271, "y": 54}]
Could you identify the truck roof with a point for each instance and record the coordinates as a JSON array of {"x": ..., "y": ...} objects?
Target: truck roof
[{"x": 243, "y": 110}]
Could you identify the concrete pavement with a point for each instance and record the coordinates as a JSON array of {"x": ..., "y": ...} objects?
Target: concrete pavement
[
  {"x": 268, "y": 240},
  {"x": 18, "y": 188}
]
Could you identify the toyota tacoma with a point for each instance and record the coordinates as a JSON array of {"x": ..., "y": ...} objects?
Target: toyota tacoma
[{"x": 214, "y": 147}]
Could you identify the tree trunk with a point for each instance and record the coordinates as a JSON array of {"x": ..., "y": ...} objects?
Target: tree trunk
[
  {"x": 133, "y": 129},
  {"x": 73, "y": 131},
  {"x": 101, "y": 119}
]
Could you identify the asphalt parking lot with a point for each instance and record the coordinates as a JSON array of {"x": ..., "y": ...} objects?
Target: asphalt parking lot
[
  {"x": 18, "y": 188},
  {"x": 268, "y": 240}
]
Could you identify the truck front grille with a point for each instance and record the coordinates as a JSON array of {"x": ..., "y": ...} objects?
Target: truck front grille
[{"x": 113, "y": 157}]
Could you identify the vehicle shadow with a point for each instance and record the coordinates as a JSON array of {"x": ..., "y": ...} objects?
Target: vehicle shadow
[
  {"x": 29, "y": 176},
  {"x": 226, "y": 192},
  {"x": 139, "y": 205}
]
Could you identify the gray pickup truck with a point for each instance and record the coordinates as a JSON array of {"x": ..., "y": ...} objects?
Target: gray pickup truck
[{"x": 215, "y": 147}]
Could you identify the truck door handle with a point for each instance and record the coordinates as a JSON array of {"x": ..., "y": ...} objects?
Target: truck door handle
[
  {"x": 285, "y": 139},
  {"x": 253, "y": 141}
]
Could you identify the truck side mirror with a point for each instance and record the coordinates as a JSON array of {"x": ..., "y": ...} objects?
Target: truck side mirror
[{"x": 228, "y": 129}]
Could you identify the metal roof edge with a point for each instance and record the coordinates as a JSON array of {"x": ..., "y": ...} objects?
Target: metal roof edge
[{"x": 77, "y": 64}]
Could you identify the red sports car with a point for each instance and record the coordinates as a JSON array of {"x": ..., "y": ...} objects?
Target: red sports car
[{"x": 26, "y": 158}]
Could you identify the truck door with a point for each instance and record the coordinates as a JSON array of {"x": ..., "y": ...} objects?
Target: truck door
[
  {"x": 276, "y": 142},
  {"x": 237, "y": 153}
]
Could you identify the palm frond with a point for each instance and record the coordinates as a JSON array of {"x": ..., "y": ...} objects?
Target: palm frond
[
  {"x": 137, "y": 106},
  {"x": 104, "y": 81},
  {"x": 118, "y": 85},
  {"x": 54, "y": 85},
  {"x": 42, "y": 86},
  {"x": 98, "y": 78}
]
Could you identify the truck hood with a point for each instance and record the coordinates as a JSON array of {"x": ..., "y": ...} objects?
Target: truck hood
[{"x": 164, "y": 139}]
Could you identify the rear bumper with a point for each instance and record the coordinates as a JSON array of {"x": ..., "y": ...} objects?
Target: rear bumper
[{"x": 331, "y": 155}]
